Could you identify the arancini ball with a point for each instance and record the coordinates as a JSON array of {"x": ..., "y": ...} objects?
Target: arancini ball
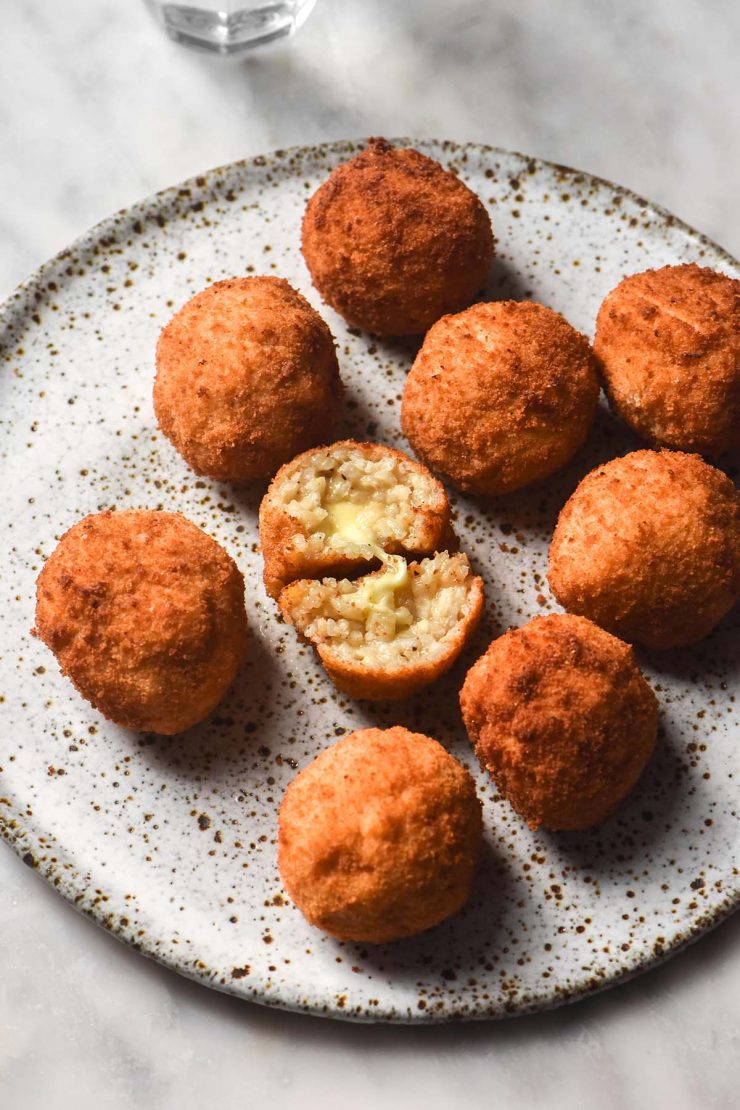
[
  {"x": 668, "y": 347},
  {"x": 500, "y": 396},
  {"x": 247, "y": 377},
  {"x": 393, "y": 241},
  {"x": 379, "y": 837},
  {"x": 562, "y": 719},
  {"x": 648, "y": 546},
  {"x": 145, "y": 614}
]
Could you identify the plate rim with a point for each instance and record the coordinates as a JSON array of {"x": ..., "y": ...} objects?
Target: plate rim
[
  {"x": 19, "y": 837},
  {"x": 339, "y": 145}
]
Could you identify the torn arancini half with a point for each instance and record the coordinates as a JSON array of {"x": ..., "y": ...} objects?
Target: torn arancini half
[
  {"x": 337, "y": 509},
  {"x": 385, "y": 636}
]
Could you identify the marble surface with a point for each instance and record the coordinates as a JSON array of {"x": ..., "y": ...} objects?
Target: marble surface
[{"x": 97, "y": 109}]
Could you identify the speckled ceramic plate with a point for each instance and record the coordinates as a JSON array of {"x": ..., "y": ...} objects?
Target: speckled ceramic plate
[{"x": 170, "y": 844}]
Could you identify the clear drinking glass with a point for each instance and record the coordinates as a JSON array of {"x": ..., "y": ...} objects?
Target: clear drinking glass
[{"x": 230, "y": 26}]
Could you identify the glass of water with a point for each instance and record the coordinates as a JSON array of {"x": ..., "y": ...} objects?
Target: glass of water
[{"x": 230, "y": 26}]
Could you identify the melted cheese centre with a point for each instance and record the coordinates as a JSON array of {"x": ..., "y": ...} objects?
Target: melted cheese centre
[
  {"x": 379, "y": 591},
  {"x": 355, "y": 523}
]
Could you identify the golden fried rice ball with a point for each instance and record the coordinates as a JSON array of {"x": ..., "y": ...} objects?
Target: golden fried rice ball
[
  {"x": 379, "y": 837},
  {"x": 385, "y": 636},
  {"x": 668, "y": 345},
  {"x": 393, "y": 241},
  {"x": 247, "y": 377},
  {"x": 332, "y": 510},
  {"x": 648, "y": 546},
  {"x": 562, "y": 719},
  {"x": 499, "y": 396},
  {"x": 145, "y": 614}
]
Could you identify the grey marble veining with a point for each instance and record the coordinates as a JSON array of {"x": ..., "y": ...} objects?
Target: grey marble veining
[{"x": 97, "y": 109}]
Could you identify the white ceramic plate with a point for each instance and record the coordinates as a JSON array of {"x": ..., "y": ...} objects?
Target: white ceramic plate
[{"x": 170, "y": 844}]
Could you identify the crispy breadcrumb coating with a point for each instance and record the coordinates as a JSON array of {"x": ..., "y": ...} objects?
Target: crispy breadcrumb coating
[
  {"x": 247, "y": 377},
  {"x": 393, "y": 241},
  {"x": 648, "y": 546},
  {"x": 668, "y": 347},
  {"x": 401, "y": 509},
  {"x": 499, "y": 396},
  {"x": 145, "y": 614},
  {"x": 379, "y": 837},
  {"x": 385, "y": 645},
  {"x": 562, "y": 719}
]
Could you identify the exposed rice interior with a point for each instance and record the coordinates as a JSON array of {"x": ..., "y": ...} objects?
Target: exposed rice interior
[
  {"x": 425, "y": 613},
  {"x": 390, "y": 490}
]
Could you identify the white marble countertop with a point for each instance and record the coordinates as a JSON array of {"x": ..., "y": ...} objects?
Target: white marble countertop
[{"x": 98, "y": 109}]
